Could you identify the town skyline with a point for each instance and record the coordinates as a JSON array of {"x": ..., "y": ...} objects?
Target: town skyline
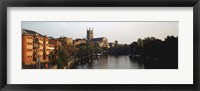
[{"x": 123, "y": 32}]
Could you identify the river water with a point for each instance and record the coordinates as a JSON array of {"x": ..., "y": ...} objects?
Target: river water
[{"x": 112, "y": 62}]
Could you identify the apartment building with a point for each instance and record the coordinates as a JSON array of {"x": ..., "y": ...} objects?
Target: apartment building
[{"x": 35, "y": 47}]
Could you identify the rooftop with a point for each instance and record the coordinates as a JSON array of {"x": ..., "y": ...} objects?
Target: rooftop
[
  {"x": 97, "y": 39},
  {"x": 30, "y": 32}
]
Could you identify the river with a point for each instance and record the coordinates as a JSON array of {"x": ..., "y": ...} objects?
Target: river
[{"x": 112, "y": 62}]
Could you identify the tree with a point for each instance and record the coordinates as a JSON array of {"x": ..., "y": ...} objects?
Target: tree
[
  {"x": 71, "y": 49},
  {"x": 140, "y": 42},
  {"x": 116, "y": 43},
  {"x": 52, "y": 57},
  {"x": 59, "y": 57},
  {"x": 60, "y": 63},
  {"x": 97, "y": 48},
  {"x": 157, "y": 53},
  {"x": 85, "y": 51},
  {"x": 62, "y": 53},
  {"x": 119, "y": 50},
  {"x": 135, "y": 48}
]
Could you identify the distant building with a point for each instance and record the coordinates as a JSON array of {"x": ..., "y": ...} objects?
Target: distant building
[
  {"x": 102, "y": 41},
  {"x": 34, "y": 47},
  {"x": 111, "y": 44},
  {"x": 89, "y": 34},
  {"x": 65, "y": 41},
  {"x": 53, "y": 44},
  {"x": 79, "y": 41},
  {"x": 51, "y": 48}
]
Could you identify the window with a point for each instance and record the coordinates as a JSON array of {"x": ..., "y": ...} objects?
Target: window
[
  {"x": 29, "y": 43},
  {"x": 30, "y": 56},
  {"x": 29, "y": 37}
]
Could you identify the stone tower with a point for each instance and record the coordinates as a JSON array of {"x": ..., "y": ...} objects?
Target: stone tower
[{"x": 89, "y": 33}]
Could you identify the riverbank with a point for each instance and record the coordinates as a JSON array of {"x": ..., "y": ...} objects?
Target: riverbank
[{"x": 72, "y": 63}]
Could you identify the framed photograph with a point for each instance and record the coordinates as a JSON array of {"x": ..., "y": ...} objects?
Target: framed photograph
[{"x": 90, "y": 45}]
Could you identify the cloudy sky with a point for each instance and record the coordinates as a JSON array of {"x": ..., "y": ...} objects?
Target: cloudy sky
[{"x": 123, "y": 32}]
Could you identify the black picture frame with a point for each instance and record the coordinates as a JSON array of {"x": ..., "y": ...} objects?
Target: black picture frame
[{"x": 99, "y": 3}]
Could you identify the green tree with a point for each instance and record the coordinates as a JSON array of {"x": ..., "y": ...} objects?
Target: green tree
[
  {"x": 140, "y": 42},
  {"x": 59, "y": 57},
  {"x": 116, "y": 43},
  {"x": 97, "y": 49},
  {"x": 135, "y": 48},
  {"x": 60, "y": 63}
]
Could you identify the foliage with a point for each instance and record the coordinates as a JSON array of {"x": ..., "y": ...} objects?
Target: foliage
[
  {"x": 97, "y": 48},
  {"x": 60, "y": 63},
  {"x": 119, "y": 50},
  {"x": 70, "y": 49},
  {"x": 135, "y": 48},
  {"x": 59, "y": 57},
  {"x": 165, "y": 53},
  {"x": 86, "y": 51}
]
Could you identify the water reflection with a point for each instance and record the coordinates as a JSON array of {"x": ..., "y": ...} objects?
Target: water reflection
[{"x": 112, "y": 62}]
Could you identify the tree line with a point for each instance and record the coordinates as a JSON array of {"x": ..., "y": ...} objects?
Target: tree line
[
  {"x": 83, "y": 53},
  {"x": 153, "y": 52},
  {"x": 156, "y": 53}
]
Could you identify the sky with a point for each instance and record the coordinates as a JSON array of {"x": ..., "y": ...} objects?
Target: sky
[{"x": 123, "y": 32}]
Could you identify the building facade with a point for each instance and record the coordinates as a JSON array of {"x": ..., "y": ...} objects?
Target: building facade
[
  {"x": 35, "y": 47},
  {"x": 54, "y": 44},
  {"x": 102, "y": 41},
  {"x": 27, "y": 49}
]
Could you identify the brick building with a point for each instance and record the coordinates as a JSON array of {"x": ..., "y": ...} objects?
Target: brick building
[
  {"x": 35, "y": 47},
  {"x": 53, "y": 44}
]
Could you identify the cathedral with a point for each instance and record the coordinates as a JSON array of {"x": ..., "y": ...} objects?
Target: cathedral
[{"x": 102, "y": 41}]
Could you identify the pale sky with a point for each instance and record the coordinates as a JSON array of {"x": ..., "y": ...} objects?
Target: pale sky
[{"x": 123, "y": 32}]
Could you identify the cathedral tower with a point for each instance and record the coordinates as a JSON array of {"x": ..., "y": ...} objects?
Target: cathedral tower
[{"x": 89, "y": 33}]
